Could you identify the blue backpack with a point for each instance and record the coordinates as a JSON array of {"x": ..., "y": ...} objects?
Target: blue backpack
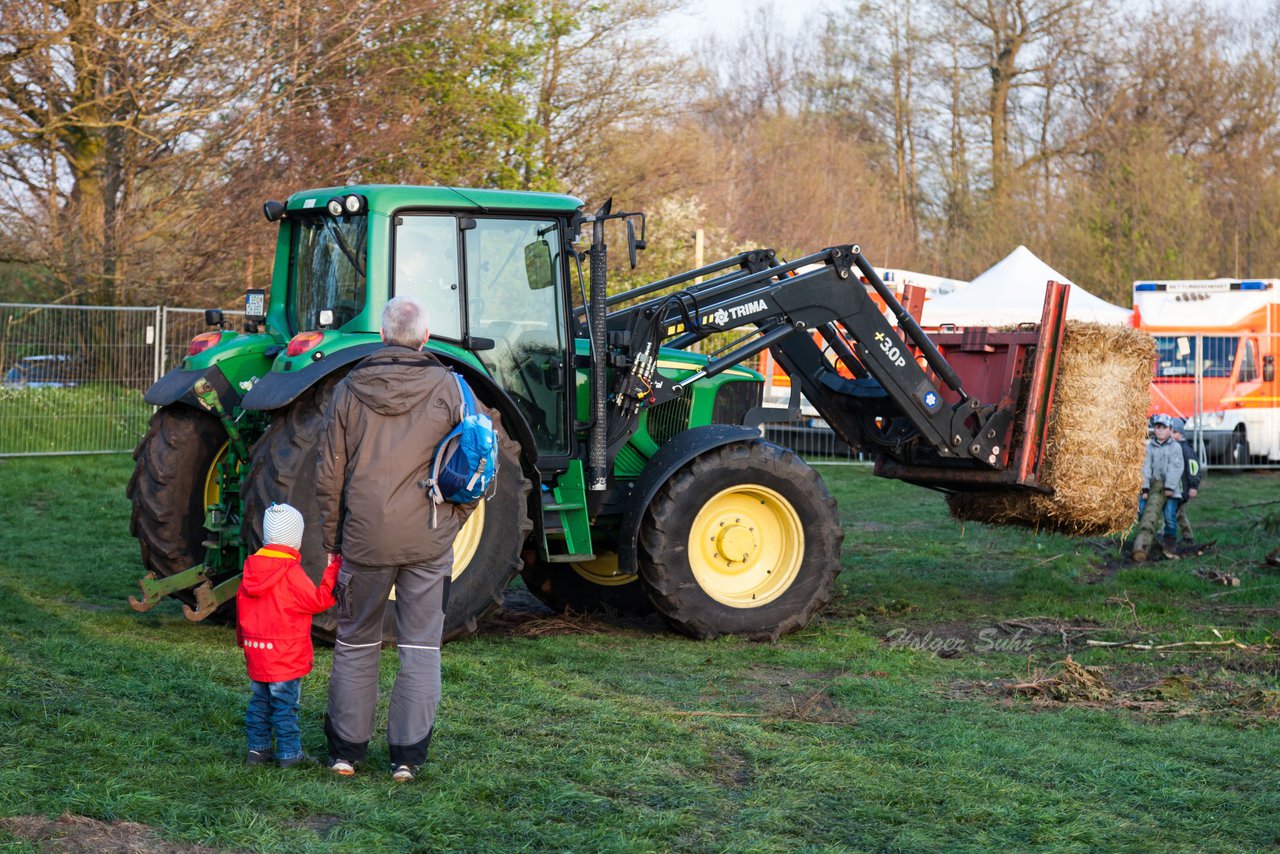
[{"x": 465, "y": 463}]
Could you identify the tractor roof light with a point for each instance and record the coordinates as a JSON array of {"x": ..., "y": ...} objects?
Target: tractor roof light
[
  {"x": 335, "y": 207},
  {"x": 353, "y": 203},
  {"x": 203, "y": 342},
  {"x": 304, "y": 341}
]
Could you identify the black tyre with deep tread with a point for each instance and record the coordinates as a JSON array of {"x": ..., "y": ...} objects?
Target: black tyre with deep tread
[
  {"x": 664, "y": 561},
  {"x": 283, "y": 469},
  {"x": 559, "y": 586},
  {"x": 167, "y": 490}
]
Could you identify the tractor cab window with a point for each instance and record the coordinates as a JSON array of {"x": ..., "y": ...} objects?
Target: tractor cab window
[
  {"x": 514, "y": 298},
  {"x": 426, "y": 267},
  {"x": 327, "y": 269}
]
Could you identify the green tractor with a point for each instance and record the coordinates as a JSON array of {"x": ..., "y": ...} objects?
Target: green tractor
[{"x": 632, "y": 474}]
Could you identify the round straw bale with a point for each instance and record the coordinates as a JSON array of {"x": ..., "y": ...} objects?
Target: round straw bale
[{"x": 1095, "y": 442}]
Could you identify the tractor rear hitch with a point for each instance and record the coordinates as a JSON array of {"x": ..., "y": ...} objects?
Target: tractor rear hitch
[
  {"x": 154, "y": 589},
  {"x": 209, "y": 598}
]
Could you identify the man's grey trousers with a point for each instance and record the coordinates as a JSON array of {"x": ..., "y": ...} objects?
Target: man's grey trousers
[{"x": 422, "y": 594}]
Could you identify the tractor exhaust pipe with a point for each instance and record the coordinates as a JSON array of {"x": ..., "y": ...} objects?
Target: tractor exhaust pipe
[{"x": 597, "y": 456}]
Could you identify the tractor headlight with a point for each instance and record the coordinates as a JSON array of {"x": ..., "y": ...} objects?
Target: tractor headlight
[
  {"x": 353, "y": 203},
  {"x": 335, "y": 207}
]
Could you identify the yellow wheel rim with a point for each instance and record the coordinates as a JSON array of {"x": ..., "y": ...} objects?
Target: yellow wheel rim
[
  {"x": 746, "y": 546},
  {"x": 603, "y": 570},
  {"x": 212, "y": 483},
  {"x": 468, "y": 540}
]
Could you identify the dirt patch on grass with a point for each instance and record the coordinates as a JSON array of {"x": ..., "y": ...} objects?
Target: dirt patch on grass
[
  {"x": 523, "y": 615},
  {"x": 773, "y": 693},
  {"x": 792, "y": 694},
  {"x": 320, "y": 825},
  {"x": 77, "y": 834},
  {"x": 729, "y": 769},
  {"x": 1196, "y": 688}
]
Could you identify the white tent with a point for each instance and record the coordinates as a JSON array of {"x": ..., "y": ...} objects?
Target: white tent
[{"x": 1013, "y": 292}]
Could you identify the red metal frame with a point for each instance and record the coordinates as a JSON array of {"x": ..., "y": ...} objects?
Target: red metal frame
[{"x": 991, "y": 365}]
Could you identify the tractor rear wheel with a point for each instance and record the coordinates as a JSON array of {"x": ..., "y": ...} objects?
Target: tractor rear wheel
[
  {"x": 744, "y": 540},
  {"x": 486, "y": 552},
  {"x": 175, "y": 477},
  {"x": 587, "y": 586}
]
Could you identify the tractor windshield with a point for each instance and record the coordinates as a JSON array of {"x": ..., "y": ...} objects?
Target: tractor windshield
[{"x": 327, "y": 269}]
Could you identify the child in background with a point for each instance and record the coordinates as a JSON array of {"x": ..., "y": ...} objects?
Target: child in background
[
  {"x": 1161, "y": 487},
  {"x": 274, "y": 607},
  {"x": 1190, "y": 484}
]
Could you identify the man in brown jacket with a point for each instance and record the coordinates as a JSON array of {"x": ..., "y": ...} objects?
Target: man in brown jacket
[{"x": 385, "y": 419}]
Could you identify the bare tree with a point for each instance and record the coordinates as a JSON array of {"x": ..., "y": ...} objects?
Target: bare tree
[{"x": 118, "y": 118}]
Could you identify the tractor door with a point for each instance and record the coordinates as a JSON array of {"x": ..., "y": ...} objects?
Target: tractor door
[
  {"x": 510, "y": 270},
  {"x": 514, "y": 297}
]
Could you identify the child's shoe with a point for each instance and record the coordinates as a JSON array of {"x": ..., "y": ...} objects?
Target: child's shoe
[
  {"x": 260, "y": 757},
  {"x": 342, "y": 767}
]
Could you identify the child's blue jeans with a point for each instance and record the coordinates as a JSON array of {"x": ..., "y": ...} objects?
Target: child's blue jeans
[{"x": 274, "y": 706}]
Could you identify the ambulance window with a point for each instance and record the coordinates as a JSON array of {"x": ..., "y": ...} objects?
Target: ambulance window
[{"x": 1248, "y": 364}]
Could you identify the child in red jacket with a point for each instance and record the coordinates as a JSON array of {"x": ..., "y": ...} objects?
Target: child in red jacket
[{"x": 274, "y": 607}]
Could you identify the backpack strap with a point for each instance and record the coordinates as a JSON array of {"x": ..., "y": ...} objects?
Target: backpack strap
[{"x": 468, "y": 406}]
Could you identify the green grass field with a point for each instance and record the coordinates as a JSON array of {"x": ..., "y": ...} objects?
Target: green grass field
[{"x": 929, "y": 708}]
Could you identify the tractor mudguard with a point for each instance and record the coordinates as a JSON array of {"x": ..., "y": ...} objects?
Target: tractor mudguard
[
  {"x": 670, "y": 457},
  {"x": 175, "y": 387},
  {"x": 280, "y": 388}
]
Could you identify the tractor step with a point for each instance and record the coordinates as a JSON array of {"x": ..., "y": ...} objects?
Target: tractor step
[{"x": 558, "y": 550}]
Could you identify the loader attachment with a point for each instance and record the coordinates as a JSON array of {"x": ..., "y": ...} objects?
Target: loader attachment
[{"x": 1018, "y": 368}]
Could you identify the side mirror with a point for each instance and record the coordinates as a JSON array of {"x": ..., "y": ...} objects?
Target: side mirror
[
  {"x": 632, "y": 243},
  {"x": 1269, "y": 368},
  {"x": 537, "y": 265}
]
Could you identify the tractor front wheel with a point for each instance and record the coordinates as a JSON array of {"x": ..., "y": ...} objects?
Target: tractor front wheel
[
  {"x": 486, "y": 553},
  {"x": 744, "y": 540},
  {"x": 175, "y": 477}
]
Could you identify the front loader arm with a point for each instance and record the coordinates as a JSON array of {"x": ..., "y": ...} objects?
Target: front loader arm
[{"x": 863, "y": 378}]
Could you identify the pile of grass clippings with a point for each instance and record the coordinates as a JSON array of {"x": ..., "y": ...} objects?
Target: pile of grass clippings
[
  {"x": 1095, "y": 443},
  {"x": 1072, "y": 682}
]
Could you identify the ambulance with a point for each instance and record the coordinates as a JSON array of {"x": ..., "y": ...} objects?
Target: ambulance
[{"x": 1216, "y": 341}]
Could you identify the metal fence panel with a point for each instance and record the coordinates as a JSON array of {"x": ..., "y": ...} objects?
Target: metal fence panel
[
  {"x": 1225, "y": 386},
  {"x": 73, "y": 377}
]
